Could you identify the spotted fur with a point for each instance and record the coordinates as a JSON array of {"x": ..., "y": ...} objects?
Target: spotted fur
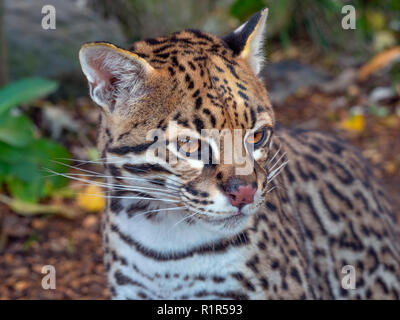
[{"x": 169, "y": 230}]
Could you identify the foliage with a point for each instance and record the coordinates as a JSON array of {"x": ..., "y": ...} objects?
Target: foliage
[
  {"x": 22, "y": 154},
  {"x": 24, "y": 91},
  {"x": 320, "y": 21},
  {"x": 244, "y": 9}
]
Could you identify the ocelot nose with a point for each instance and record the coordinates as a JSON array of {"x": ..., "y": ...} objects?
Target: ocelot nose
[{"x": 241, "y": 195}]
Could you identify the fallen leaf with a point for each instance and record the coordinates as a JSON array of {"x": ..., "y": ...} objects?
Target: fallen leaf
[
  {"x": 21, "y": 285},
  {"x": 390, "y": 167},
  {"x": 378, "y": 62},
  {"x": 31, "y": 209},
  {"x": 391, "y": 121},
  {"x": 353, "y": 123},
  {"x": 91, "y": 199}
]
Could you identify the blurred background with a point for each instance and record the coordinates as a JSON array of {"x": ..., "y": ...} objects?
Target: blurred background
[{"x": 319, "y": 76}]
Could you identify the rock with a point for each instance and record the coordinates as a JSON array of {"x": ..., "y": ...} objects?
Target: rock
[
  {"x": 341, "y": 82},
  {"x": 339, "y": 102},
  {"x": 380, "y": 94},
  {"x": 90, "y": 221},
  {"x": 58, "y": 244},
  {"x": 285, "y": 78},
  {"x": 52, "y": 53},
  {"x": 56, "y": 120},
  {"x": 15, "y": 227}
]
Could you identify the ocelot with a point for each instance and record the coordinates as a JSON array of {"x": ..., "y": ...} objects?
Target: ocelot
[{"x": 295, "y": 215}]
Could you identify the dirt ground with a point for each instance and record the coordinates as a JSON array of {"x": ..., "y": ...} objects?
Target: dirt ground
[{"x": 74, "y": 246}]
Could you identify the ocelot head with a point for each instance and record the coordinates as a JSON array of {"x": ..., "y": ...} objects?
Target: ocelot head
[{"x": 185, "y": 120}]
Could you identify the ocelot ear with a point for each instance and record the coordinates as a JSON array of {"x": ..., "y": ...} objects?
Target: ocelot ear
[
  {"x": 116, "y": 76},
  {"x": 247, "y": 41}
]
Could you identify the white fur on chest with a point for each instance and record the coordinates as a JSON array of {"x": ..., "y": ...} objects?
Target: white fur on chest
[{"x": 171, "y": 278}]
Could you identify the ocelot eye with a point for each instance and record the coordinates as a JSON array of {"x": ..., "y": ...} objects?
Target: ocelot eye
[
  {"x": 188, "y": 145},
  {"x": 258, "y": 138}
]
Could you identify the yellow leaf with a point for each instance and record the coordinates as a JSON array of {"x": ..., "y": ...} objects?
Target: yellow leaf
[
  {"x": 391, "y": 121},
  {"x": 91, "y": 199},
  {"x": 354, "y": 123},
  {"x": 375, "y": 19},
  {"x": 378, "y": 62},
  {"x": 391, "y": 167}
]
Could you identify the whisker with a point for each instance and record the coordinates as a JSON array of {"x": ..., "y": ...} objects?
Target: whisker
[
  {"x": 160, "y": 176},
  {"x": 185, "y": 218},
  {"x": 172, "y": 187},
  {"x": 276, "y": 172},
  {"x": 277, "y": 161},
  {"x": 176, "y": 183},
  {"x": 279, "y": 149},
  {"x": 89, "y": 171},
  {"x": 99, "y": 161},
  {"x": 157, "y": 210},
  {"x": 130, "y": 197},
  {"x": 120, "y": 187},
  {"x": 128, "y": 187},
  {"x": 97, "y": 174},
  {"x": 273, "y": 172},
  {"x": 74, "y": 167}
]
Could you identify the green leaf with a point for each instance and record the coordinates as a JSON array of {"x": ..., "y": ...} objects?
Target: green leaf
[
  {"x": 23, "y": 159},
  {"x": 23, "y": 169},
  {"x": 16, "y": 131},
  {"x": 242, "y": 10},
  {"x": 378, "y": 111},
  {"x": 4, "y": 171},
  {"x": 23, "y": 91},
  {"x": 10, "y": 155},
  {"x": 25, "y": 191},
  {"x": 50, "y": 155}
]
